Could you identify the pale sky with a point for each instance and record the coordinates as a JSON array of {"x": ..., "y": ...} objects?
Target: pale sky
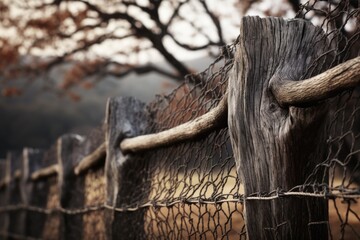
[{"x": 230, "y": 20}]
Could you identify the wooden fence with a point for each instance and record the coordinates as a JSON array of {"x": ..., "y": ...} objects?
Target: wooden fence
[{"x": 172, "y": 170}]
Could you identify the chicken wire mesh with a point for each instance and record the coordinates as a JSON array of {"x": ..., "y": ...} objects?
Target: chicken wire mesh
[
  {"x": 191, "y": 189},
  {"x": 52, "y": 222},
  {"x": 188, "y": 199},
  {"x": 340, "y": 21},
  {"x": 194, "y": 185},
  {"x": 93, "y": 222}
]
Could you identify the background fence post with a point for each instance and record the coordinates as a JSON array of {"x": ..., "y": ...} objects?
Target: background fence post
[
  {"x": 17, "y": 217},
  {"x": 4, "y": 195},
  {"x": 125, "y": 117},
  {"x": 276, "y": 148},
  {"x": 71, "y": 187},
  {"x": 33, "y": 191}
]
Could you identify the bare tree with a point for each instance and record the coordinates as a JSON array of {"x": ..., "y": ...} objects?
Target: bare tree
[
  {"x": 104, "y": 37},
  {"x": 114, "y": 37}
]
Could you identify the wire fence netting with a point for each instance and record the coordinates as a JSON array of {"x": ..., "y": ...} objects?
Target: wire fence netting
[
  {"x": 194, "y": 184},
  {"x": 190, "y": 190},
  {"x": 339, "y": 172}
]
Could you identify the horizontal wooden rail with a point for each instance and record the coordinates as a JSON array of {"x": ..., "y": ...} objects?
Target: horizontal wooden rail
[
  {"x": 205, "y": 123},
  {"x": 323, "y": 86},
  {"x": 45, "y": 172},
  {"x": 91, "y": 159}
]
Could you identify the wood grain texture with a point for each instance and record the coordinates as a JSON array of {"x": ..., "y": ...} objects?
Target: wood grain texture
[
  {"x": 275, "y": 147},
  {"x": 45, "y": 172},
  {"x": 189, "y": 130},
  {"x": 91, "y": 160},
  {"x": 320, "y": 87},
  {"x": 71, "y": 187},
  {"x": 34, "y": 192},
  {"x": 126, "y": 174}
]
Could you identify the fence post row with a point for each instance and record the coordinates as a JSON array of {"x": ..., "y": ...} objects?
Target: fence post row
[
  {"x": 276, "y": 148},
  {"x": 125, "y": 174},
  {"x": 71, "y": 186}
]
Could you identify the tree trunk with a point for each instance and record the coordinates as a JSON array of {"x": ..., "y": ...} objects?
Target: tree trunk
[{"x": 276, "y": 148}]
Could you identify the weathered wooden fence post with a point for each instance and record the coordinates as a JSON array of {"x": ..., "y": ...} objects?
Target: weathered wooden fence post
[
  {"x": 30, "y": 190},
  {"x": 16, "y": 217},
  {"x": 4, "y": 195},
  {"x": 277, "y": 147},
  {"x": 125, "y": 117},
  {"x": 71, "y": 186}
]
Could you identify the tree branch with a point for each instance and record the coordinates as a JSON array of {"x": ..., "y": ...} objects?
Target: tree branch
[
  {"x": 141, "y": 31},
  {"x": 213, "y": 119},
  {"x": 45, "y": 172},
  {"x": 193, "y": 48},
  {"x": 84, "y": 47},
  {"x": 174, "y": 14},
  {"x": 325, "y": 85},
  {"x": 216, "y": 22},
  {"x": 82, "y": 28},
  {"x": 91, "y": 160}
]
